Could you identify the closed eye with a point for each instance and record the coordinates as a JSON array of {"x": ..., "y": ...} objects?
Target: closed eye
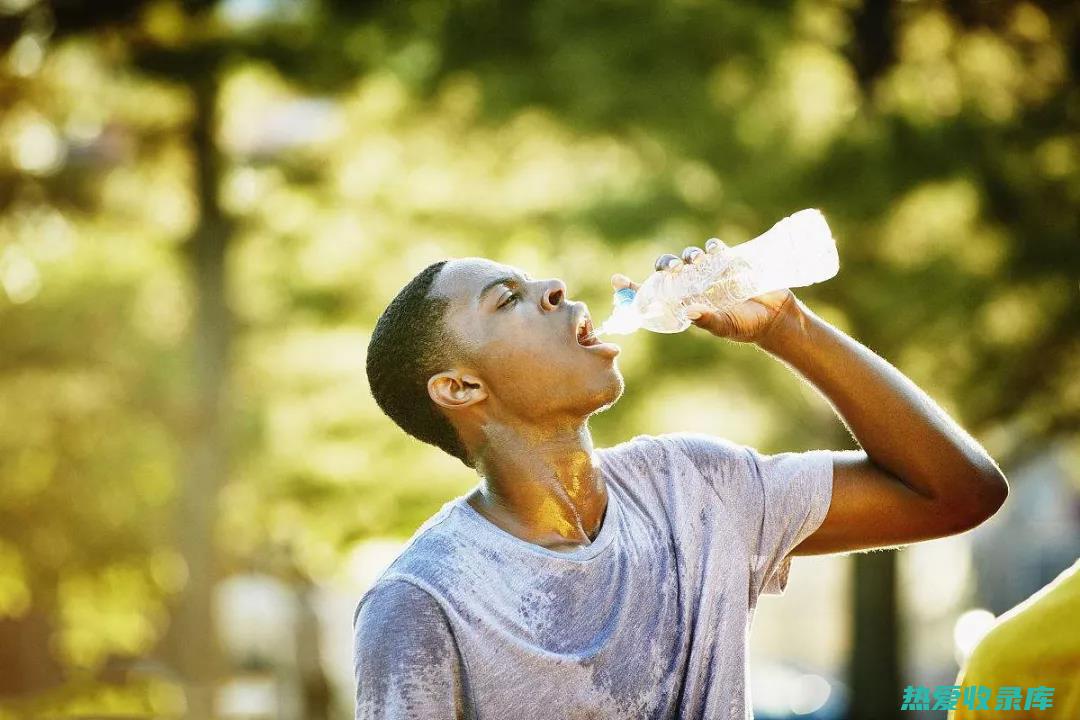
[{"x": 510, "y": 299}]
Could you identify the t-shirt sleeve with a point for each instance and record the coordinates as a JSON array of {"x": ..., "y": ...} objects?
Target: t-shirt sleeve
[
  {"x": 776, "y": 501},
  {"x": 405, "y": 659}
]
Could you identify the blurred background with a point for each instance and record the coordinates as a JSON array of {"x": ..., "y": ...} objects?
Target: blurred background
[{"x": 205, "y": 205}]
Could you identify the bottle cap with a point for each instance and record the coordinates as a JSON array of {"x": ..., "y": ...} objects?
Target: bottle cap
[{"x": 625, "y": 296}]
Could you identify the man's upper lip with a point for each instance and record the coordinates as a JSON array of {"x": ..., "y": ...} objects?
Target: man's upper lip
[{"x": 582, "y": 312}]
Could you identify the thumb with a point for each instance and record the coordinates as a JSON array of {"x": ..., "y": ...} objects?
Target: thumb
[
  {"x": 620, "y": 281},
  {"x": 707, "y": 318},
  {"x": 696, "y": 311}
]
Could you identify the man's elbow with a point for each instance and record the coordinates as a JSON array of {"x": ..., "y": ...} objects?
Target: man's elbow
[{"x": 987, "y": 490}]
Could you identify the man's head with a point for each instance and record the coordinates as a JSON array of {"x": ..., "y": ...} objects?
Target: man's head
[{"x": 468, "y": 343}]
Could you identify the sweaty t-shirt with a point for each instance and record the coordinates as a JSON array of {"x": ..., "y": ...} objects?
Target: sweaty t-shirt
[{"x": 651, "y": 620}]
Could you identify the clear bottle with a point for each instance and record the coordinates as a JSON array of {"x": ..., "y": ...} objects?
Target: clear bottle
[{"x": 797, "y": 251}]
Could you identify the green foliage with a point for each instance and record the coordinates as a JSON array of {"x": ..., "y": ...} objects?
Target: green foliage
[{"x": 572, "y": 139}]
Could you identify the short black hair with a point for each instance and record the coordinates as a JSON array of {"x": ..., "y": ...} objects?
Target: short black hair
[{"x": 409, "y": 344}]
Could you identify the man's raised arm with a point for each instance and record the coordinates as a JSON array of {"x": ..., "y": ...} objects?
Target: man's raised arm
[{"x": 919, "y": 476}]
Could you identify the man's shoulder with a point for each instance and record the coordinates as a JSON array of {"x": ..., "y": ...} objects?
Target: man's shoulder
[
  {"x": 397, "y": 623},
  {"x": 672, "y": 446},
  {"x": 413, "y": 574},
  {"x": 636, "y": 446},
  {"x": 393, "y": 595},
  {"x": 396, "y": 593},
  {"x": 655, "y": 469}
]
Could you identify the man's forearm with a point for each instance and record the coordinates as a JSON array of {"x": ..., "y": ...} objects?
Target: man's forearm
[{"x": 900, "y": 428}]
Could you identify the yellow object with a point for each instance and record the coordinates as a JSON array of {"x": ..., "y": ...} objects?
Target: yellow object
[{"x": 1037, "y": 643}]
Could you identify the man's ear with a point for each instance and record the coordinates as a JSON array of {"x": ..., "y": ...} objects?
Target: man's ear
[{"x": 454, "y": 390}]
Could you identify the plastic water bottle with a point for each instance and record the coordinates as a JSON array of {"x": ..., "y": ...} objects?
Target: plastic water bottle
[{"x": 797, "y": 251}]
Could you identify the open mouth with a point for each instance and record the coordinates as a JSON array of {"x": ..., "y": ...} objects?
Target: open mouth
[{"x": 585, "y": 336}]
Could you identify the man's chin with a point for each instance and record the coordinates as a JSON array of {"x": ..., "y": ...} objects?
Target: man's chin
[{"x": 609, "y": 394}]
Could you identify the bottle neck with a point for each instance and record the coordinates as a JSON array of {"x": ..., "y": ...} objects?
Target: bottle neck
[{"x": 625, "y": 296}]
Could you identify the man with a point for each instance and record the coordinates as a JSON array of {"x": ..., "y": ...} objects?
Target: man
[
  {"x": 578, "y": 582},
  {"x": 1028, "y": 664}
]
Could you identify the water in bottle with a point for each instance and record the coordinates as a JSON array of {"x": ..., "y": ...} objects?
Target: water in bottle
[{"x": 797, "y": 251}]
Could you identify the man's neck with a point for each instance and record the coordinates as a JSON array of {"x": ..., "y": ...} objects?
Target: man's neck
[{"x": 542, "y": 485}]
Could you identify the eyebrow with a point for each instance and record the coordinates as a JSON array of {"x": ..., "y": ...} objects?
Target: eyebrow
[{"x": 504, "y": 280}]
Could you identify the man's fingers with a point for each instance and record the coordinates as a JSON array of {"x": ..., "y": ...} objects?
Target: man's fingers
[
  {"x": 692, "y": 254},
  {"x": 665, "y": 262},
  {"x": 620, "y": 281}
]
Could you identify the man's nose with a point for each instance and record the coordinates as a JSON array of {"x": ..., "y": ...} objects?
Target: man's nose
[{"x": 554, "y": 294}]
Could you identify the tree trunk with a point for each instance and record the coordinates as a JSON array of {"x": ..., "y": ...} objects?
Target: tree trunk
[
  {"x": 875, "y": 659},
  {"x": 27, "y": 665},
  {"x": 193, "y": 643},
  {"x": 874, "y": 671},
  {"x": 315, "y": 691}
]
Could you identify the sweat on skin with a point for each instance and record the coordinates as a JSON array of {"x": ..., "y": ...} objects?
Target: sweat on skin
[{"x": 620, "y": 582}]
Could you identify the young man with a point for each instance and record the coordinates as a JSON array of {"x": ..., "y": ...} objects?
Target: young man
[
  {"x": 578, "y": 582},
  {"x": 1026, "y": 666}
]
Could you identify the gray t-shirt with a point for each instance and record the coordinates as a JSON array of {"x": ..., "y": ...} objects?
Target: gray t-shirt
[{"x": 651, "y": 620}]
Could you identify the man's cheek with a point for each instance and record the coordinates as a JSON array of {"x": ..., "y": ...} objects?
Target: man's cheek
[
  {"x": 523, "y": 352},
  {"x": 510, "y": 364},
  {"x": 519, "y": 370}
]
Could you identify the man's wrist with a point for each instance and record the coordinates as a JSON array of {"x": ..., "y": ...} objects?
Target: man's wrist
[{"x": 789, "y": 329}]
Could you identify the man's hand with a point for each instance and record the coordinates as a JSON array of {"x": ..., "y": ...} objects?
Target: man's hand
[
  {"x": 746, "y": 322},
  {"x": 918, "y": 476}
]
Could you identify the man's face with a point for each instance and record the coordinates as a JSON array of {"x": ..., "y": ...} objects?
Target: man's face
[{"x": 520, "y": 337}]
